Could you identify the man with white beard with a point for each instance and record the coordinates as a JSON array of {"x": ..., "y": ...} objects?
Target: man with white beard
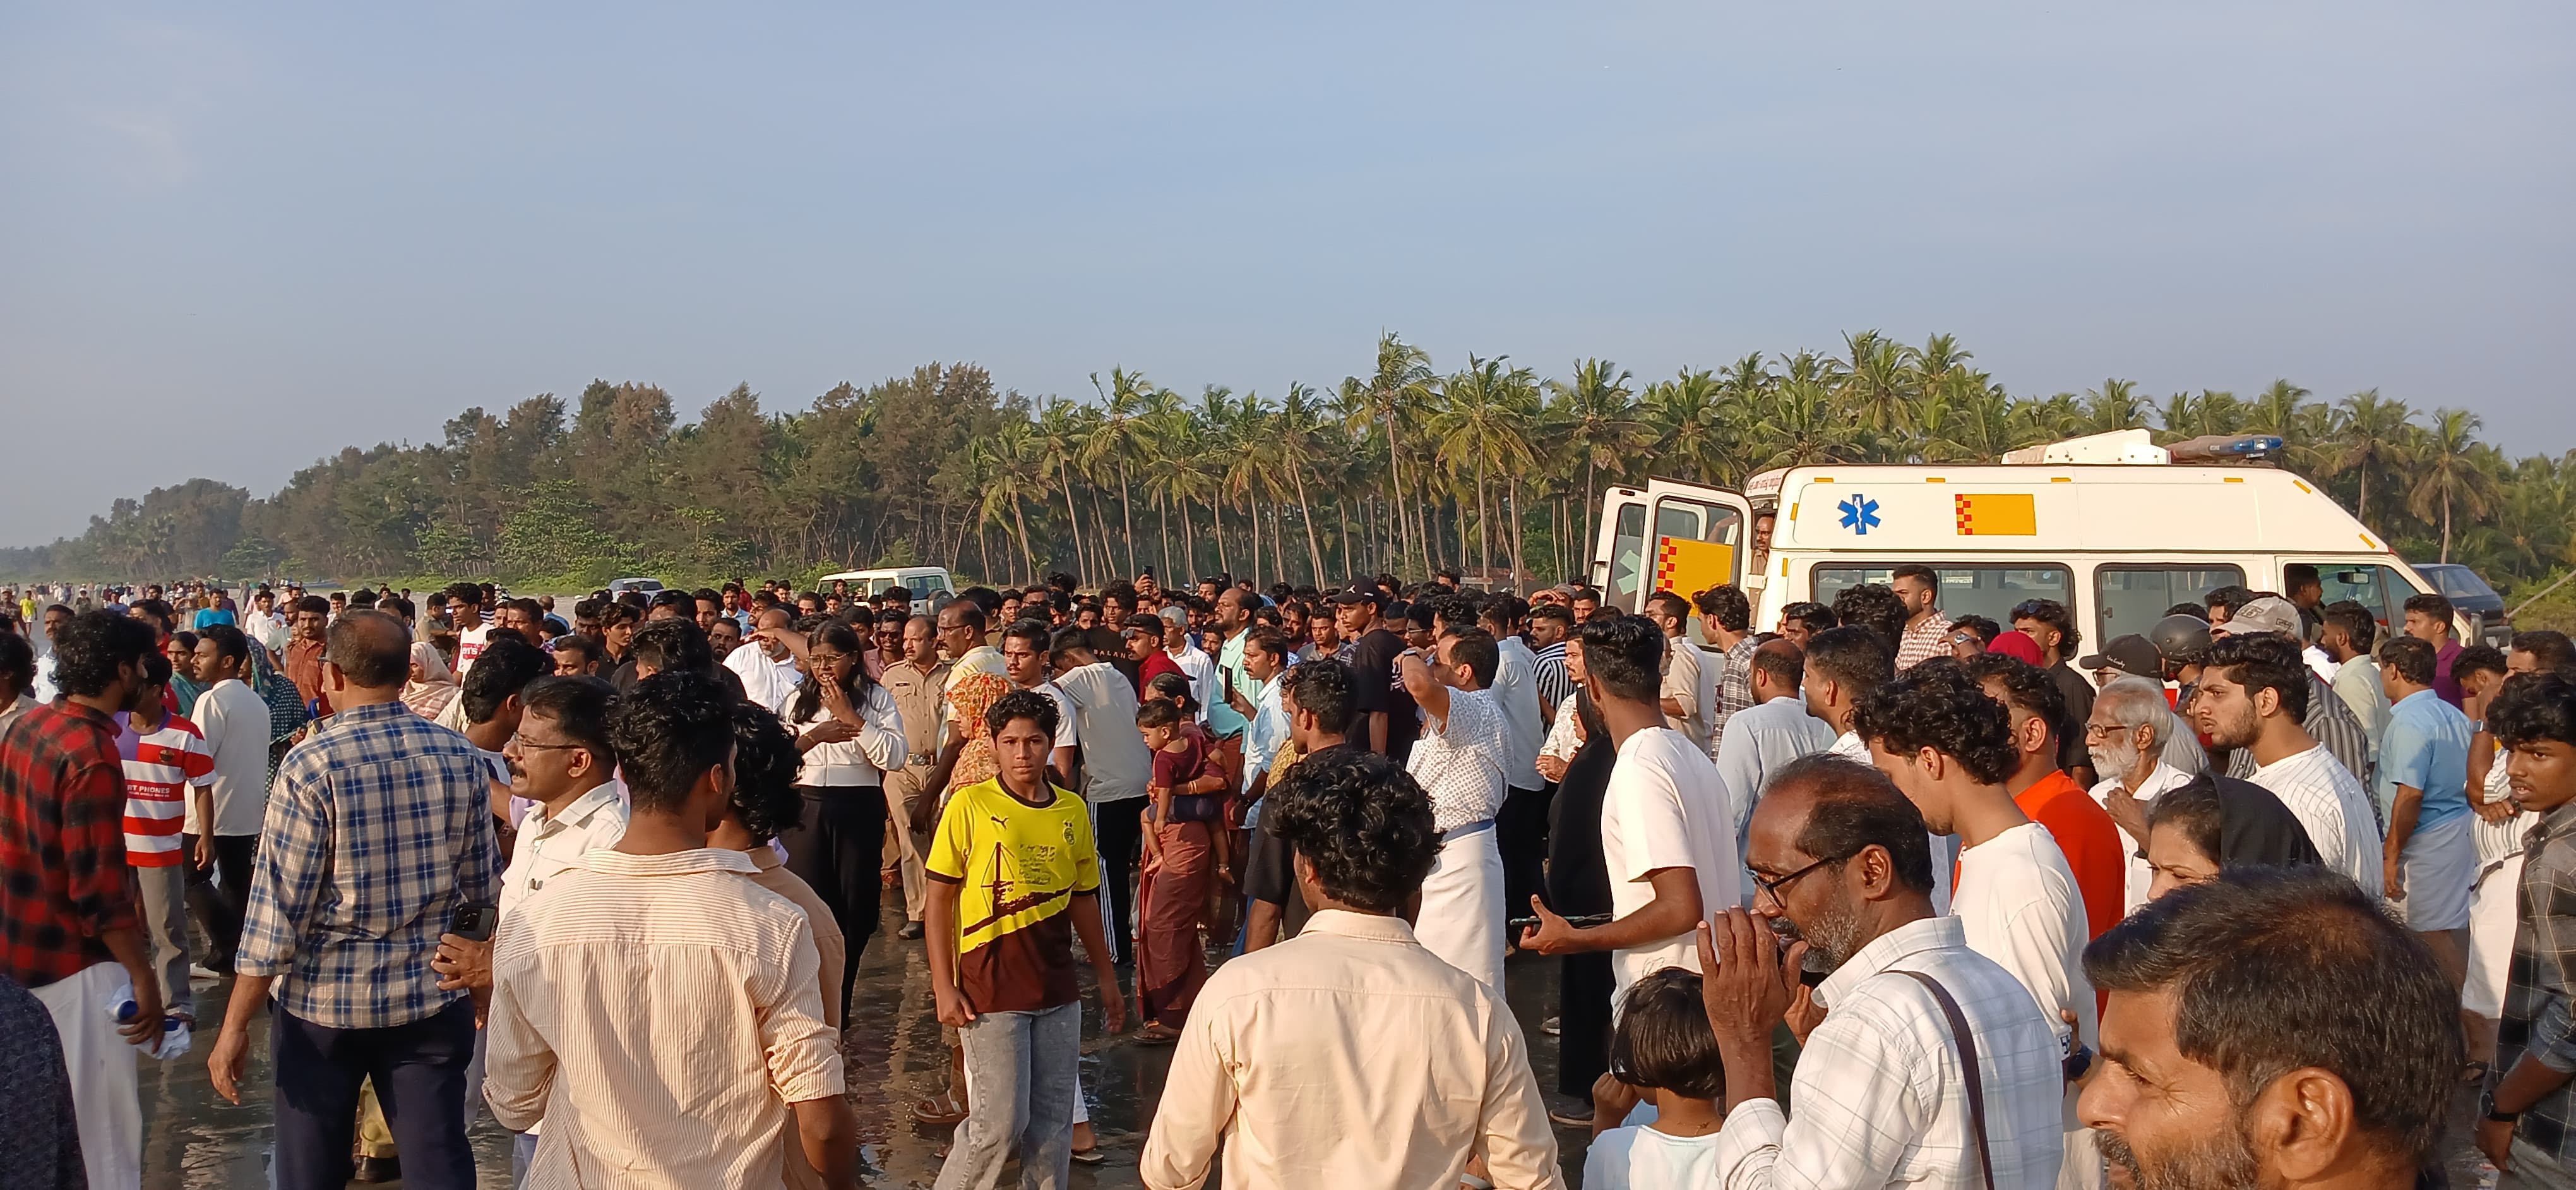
[{"x": 2126, "y": 735}]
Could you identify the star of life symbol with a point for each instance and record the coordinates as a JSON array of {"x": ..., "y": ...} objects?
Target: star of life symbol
[{"x": 1860, "y": 514}]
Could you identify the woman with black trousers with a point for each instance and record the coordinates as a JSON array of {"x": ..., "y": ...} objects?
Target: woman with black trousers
[{"x": 850, "y": 734}]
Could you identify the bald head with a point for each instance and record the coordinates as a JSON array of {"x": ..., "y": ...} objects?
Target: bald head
[
  {"x": 773, "y": 618},
  {"x": 371, "y": 649},
  {"x": 1776, "y": 666}
]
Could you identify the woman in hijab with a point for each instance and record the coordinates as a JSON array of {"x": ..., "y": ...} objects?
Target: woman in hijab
[
  {"x": 2214, "y": 823},
  {"x": 431, "y": 686}
]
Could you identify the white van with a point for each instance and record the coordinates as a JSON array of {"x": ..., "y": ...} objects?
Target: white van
[
  {"x": 920, "y": 580},
  {"x": 2109, "y": 525}
]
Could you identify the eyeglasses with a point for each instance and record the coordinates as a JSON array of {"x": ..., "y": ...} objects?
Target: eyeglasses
[
  {"x": 525, "y": 746},
  {"x": 1773, "y": 885},
  {"x": 827, "y": 658}
]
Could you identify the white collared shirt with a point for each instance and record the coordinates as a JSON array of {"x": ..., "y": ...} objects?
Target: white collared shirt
[
  {"x": 551, "y": 846},
  {"x": 861, "y": 762},
  {"x": 1879, "y": 1095},
  {"x": 765, "y": 682},
  {"x": 2141, "y": 875},
  {"x": 2334, "y": 808}
]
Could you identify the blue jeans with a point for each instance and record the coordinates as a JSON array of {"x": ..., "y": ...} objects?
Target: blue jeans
[{"x": 1020, "y": 1077}]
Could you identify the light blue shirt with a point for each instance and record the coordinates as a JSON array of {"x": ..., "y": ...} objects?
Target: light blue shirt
[
  {"x": 2426, "y": 746},
  {"x": 1759, "y": 741},
  {"x": 1222, "y": 718},
  {"x": 1262, "y": 740}
]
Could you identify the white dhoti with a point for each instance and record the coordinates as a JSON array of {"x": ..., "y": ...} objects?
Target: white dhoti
[
  {"x": 2492, "y": 918},
  {"x": 2441, "y": 864},
  {"x": 1462, "y": 904},
  {"x": 106, "y": 1088}
]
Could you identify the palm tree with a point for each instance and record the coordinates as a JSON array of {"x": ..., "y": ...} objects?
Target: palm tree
[
  {"x": 1597, "y": 418},
  {"x": 2114, "y": 406},
  {"x": 1117, "y": 439},
  {"x": 1479, "y": 425},
  {"x": 1401, "y": 382},
  {"x": 1005, "y": 463},
  {"x": 1802, "y": 425},
  {"x": 1687, "y": 417},
  {"x": 2451, "y": 470},
  {"x": 2373, "y": 441},
  {"x": 1298, "y": 445},
  {"x": 1874, "y": 385},
  {"x": 1059, "y": 444}
]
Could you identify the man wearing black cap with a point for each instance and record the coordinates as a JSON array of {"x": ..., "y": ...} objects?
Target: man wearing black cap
[
  {"x": 1387, "y": 724},
  {"x": 2130, "y": 655}
]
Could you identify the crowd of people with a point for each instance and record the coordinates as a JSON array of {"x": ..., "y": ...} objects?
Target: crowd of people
[{"x": 1866, "y": 896}]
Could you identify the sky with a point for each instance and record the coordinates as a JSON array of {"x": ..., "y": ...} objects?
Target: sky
[{"x": 234, "y": 238}]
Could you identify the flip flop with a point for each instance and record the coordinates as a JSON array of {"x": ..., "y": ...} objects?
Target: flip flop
[
  {"x": 940, "y": 1109},
  {"x": 1156, "y": 1034},
  {"x": 1090, "y": 1156}
]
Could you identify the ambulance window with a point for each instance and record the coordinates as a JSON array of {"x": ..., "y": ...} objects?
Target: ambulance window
[
  {"x": 2133, "y": 598},
  {"x": 1989, "y": 591},
  {"x": 2379, "y": 588},
  {"x": 1627, "y": 556}
]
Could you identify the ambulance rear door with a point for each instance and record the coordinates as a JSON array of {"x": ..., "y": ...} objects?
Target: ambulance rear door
[{"x": 1673, "y": 536}]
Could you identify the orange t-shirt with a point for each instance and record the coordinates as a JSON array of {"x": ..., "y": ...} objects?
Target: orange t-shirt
[{"x": 2091, "y": 843}]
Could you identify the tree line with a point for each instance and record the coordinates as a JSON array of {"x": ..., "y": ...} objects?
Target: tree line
[{"x": 1489, "y": 468}]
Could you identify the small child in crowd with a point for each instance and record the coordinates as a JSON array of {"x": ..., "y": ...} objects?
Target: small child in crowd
[{"x": 1663, "y": 1050}]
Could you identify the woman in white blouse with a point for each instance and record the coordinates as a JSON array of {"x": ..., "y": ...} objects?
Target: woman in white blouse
[{"x": 850, "y": 733}]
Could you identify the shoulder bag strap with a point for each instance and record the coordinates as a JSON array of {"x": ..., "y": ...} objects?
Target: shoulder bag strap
[{"x": 1967, "y": 1046}]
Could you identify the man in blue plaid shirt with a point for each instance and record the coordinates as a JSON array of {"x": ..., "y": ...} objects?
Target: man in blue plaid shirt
[{"x": 380, "y": 825}]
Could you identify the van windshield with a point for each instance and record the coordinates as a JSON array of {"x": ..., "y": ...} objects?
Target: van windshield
[
  {"x": 1989, "y": 591},
  {"x": 2131, "y": 598}
]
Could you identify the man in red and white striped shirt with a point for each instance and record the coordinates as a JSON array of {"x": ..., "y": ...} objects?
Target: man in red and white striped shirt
[{"x": 164, "y": 754}]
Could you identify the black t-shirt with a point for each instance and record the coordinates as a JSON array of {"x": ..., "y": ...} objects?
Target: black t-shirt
[
  {"x": 2079, "y": 711},
  {"x": 1578, "y": 876},
  {"x": 1374, "y": 688},
  {"x": 1271, "y": 874}
]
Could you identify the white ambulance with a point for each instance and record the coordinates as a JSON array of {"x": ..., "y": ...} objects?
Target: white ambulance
[{"x": 2113, "y": 526}]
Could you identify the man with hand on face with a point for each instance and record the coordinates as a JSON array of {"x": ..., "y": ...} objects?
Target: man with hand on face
[
  {"x": 1881, "y": 1097},
  {"x": 664, "y": 909},
  {"x": 2271, "y": 1027},
  {"x": 768, "y": 671}
]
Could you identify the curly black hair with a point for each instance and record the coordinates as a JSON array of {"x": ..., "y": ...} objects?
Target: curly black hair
[
  {"x": 1727, "y": 602},
  {"x": 1022, "y": 704},
  {"x": 671, "y": 643},
  {"x": 2264, "y": 661},
  {"x": 2535, "y": 707},
  {"x": 765, "y": 763},
  {"x": 1874, "y": 606},
  {"x": 1322, "y": 688},
  {"x": 1363, "y": 822},
  {"x": 90, "y": 650},
  {"x": 2027, "y": 688},
  {"x": 1940, "y": 707},
  {"x": 2055, "y": 615},
  {"x": 668, "y": 731}
]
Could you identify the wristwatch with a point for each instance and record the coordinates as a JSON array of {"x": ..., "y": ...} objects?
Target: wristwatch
[{"x": 2487, "y": 1102}]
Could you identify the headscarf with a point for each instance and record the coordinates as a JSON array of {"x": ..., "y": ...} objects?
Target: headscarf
[
  {"x": 437, "y": 686},
  {"x": 2238, "y": 823}
]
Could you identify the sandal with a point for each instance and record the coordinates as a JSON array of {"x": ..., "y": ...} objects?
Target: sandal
[
  {"x": 942, "y": 1109},
  {"x": 1090, "y": 1156},
  {"x": 1157, "y": 1034}
]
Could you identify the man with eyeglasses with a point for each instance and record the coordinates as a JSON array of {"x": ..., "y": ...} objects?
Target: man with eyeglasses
[{"x": 1871, "y": 981}]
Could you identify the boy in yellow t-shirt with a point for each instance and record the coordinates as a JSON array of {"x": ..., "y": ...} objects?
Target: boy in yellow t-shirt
[{"x": 1014, "y": 874}]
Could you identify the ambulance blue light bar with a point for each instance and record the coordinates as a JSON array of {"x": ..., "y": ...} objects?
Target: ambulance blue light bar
[{"x": 2225, "y": 447}]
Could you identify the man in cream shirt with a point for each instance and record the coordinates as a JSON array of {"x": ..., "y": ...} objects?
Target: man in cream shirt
[{"x": 1430, "y": 1073}]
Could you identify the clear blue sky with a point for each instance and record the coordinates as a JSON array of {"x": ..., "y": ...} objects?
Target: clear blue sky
[{"x": 234, "y": 238}]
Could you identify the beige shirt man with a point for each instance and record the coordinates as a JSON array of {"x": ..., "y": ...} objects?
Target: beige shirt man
[
  {"x": 682, "y": 949},
  {"x": 918, "y": 696},
  {"x": 1421, "y": 1066}
]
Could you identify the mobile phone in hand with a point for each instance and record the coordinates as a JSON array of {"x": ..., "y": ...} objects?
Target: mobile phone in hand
[{"x": 474, "y": 922}]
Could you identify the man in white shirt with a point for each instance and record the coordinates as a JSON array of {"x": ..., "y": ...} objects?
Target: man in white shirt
[
  {"x": 560, "y": 760},
  {"x": 1880, "y": 1098},
  {"x": 1026, "y": 651},
  {"x": 1426, "y": 1066},
  {"x": 1949, "y": 747},
  {"x": 1667, "y": 836},
  {"x": 2126, "y": 737},
  {"x": 465, "y": 611},
  {"x": 571, "y": 1042},
  {"x": 1194, "y": 661},
  {"x": 222, "y": 830},
  {"x": 1688, "y": 692},
  {"x": 264, "y": 624},
  {"x": 2253, "y": 694},
  {"x": 768, "y": 669},
  {"x": 1520, "y": 827},
  {"x": 1459, "y": 760},
  {"x": 1762, "y": 739}
]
